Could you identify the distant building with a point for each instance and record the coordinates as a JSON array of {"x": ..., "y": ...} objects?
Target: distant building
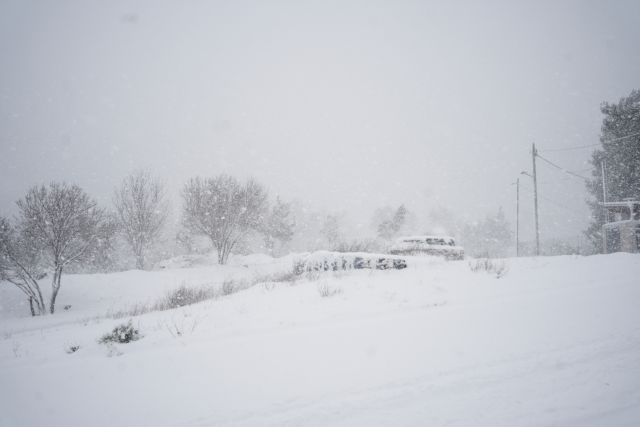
[{"x": 621, "y": 231}]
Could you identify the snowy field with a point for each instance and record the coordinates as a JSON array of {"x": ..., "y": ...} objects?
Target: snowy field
[{"x": 555, "y": 341}]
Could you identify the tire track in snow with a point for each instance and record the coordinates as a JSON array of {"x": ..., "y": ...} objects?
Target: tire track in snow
[{"x": 483, "y": 391}]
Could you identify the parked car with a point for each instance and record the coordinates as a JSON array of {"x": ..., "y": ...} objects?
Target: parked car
[{"x": 428, "y": 245}]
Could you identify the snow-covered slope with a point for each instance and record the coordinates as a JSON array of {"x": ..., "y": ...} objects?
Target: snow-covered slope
[{"x": 556, "y": 341}]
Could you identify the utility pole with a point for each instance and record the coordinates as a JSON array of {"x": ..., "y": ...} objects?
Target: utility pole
[
  {"x": 603, "y": 166},
  {"x": 534, "y": 153},
  {"x": 518, "y": 217}
]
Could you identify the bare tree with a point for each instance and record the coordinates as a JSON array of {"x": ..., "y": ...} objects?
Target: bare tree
[
  {"x": 185, "y": 240},
  {"x": 62, "y": 220},
  {"x": 141, "y": 209},
  {"x": 279, "y": 225},
  {"x": 331, "y": 230},
  {"x": 104, "y": 254},
  {"x": 20, "y": 265},
  {"x": 224, "y": 210}
]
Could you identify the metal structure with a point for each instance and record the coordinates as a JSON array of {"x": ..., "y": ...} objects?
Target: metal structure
[{"x": 621, "y": 232}]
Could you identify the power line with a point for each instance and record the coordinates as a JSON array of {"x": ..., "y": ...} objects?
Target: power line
[
  {"x": 560, "y": 205},
  {"x": 577, "y": 147},
  {"x": 562, "y": 169},
  {"x": 623, "y": 137},
  {"x": 580, "y": 147}
]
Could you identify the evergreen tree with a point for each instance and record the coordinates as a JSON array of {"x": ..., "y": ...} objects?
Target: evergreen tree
[
  {"x": 399, "y": 219},
  {"x": 385, "y": 229},
  {"x": 620, "y": 153},
  {"x": 381, "y": 215},
  {"x": 389, "y": 228}
]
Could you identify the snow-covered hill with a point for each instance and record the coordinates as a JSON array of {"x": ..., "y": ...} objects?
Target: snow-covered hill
[{"x": 555, "y": 341}]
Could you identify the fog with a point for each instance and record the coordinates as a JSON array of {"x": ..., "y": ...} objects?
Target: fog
[{"x": 344, "y": 106}]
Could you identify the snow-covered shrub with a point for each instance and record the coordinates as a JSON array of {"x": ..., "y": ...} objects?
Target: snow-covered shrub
[
  {"x": 325, "y": 290},
  {"x": 491, "y": 266},
  {"x": 175, "y": 298},
  {"x": 312, "y": 275},
  {"x": 72, "y": 349},
  {"x": 279, "y": 277},
  {"x": 229, "y": 286},
  {"x": 181, "y": 326},
  {"x": 329, "y": 261},
  {"x": 335, "y": 261},
  {"x": 121, "y": 334},
  {"x": 501, "y": 269},
  {"x": 299, "y": 266},
  {"x": 184, "y": 296},
  {"x": 132, "y": 311}
]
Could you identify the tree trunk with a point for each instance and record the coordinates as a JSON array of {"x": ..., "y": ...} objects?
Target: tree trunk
[
  {"x": 42, "y": 309},
  {"x": 224, "y": 252},
  {"x": 55, "y": 287},
  {"x": 33, "y": 312},
  {"x": 39, "y": 301},
  {"x": 269, "y": 243}
]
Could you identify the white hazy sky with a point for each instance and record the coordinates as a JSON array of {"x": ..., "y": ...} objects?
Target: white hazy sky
[{"x": 345, "y": 105}]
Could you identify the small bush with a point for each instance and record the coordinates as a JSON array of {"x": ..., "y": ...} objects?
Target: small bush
[
  {"x": 183, "y": 296},
  {"x": 121, "y": 334},
  {"x": 312, "y": 275},
  {"x": 299, "y": 266},
  {"x": 72, "y": 349},
  {"x": 335, "y": 261},
  {"x": 280, "y": 277},
  {"x": 179, "y": 327},
  {"x": 175, "y": 298},
  {"x": 134, "y": 310},
  {"x": 497, "y": 267},
  {"x": 326, "y": 291},
  {"x": 229, "y": 286},
  {"x": 327, "y": 261}
]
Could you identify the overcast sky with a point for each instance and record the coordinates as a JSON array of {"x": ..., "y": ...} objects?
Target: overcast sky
[{"x": 345, "y": 105}]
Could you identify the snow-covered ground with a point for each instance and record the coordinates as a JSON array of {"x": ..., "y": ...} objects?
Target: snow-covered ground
[{"x": 556, "y": 341}]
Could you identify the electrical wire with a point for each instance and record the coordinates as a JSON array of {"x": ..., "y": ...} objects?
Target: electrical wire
[
  {"x": 560, "y": 205},
  {"x": 561, "y": 168},
  {"x": 623, "y": 137},
  {"x": 580, "y": 147}
]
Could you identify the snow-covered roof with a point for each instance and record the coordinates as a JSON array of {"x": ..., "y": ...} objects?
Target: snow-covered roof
[
  {"x": 424, "y": 237},
  {"x": 624, "y": 204},
  {"x": 615, "y": 224}
]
